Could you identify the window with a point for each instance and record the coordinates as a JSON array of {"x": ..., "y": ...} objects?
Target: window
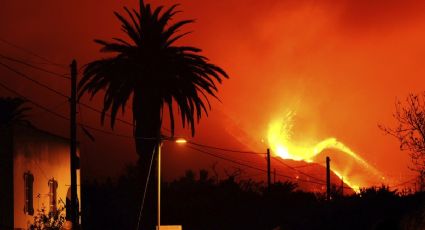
[
  {"x": 53, "y": 186},
  {"x": 28, "y": 193}
]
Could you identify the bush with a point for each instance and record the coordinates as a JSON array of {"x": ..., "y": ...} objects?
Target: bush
[{"x": 48, "y": 221}]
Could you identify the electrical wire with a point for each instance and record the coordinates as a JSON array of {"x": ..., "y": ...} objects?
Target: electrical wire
[
  {"x": 252, "y": 167},
  {"x": 199, "y": 150},
  {"x": 126, "y": 136},
  {"x": 59, "y": 93},
  {"x": 144, "y": 192},
  {"x": 33, "y": 102},
  {"x": 225, "y": 149},
  {"x": 32, "y": 80},
  {"x": 55, "y": 107},
  {"x": 32, "y": 53},
  {"x": 308, "y": 165},
  {"x": 124, "y": 121},
  {"x": 106, "y": 114},
  {"x": 299, "y": 171},
  {"x": 62, "y": 116},
  {"x": 227, "y": 159},
  {"x": 64, "y": 76}
]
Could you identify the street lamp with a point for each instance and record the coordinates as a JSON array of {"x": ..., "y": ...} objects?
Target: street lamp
[
  {"x": 181, "y": 141},
  {"x": 178, "y": 141}
]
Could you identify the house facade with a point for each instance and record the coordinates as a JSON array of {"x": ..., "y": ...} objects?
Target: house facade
[{"x": 34, "y": 175}]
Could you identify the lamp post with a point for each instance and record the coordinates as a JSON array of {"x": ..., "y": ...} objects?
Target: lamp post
[{"x": 159, "y": 146}]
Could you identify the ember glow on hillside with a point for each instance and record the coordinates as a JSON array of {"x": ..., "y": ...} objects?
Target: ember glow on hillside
[{"x": 279, "y": 139}]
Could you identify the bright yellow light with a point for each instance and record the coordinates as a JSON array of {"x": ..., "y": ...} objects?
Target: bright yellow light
[
  {"x": 181, "y": 141},
  {"x": 279, "y": 138}
]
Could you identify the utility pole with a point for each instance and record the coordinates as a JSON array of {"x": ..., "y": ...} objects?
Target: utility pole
[
  {"x": 268, "y": 170},
  {"x": 328, "y": 178},
  {"x": 73, "y": 144}
]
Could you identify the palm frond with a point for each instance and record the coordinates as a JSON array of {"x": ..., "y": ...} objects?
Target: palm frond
[
  {"x": 152, "y": 72},
  {"x": 12, "y": 111}
]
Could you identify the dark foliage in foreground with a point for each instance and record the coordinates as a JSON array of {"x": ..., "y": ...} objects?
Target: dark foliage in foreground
[
  {"x": 12, "y": 111},
  {"x": 203, "y": 202}
]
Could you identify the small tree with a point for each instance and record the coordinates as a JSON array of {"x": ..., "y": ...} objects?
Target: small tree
[{"x": 410, "y": 131}]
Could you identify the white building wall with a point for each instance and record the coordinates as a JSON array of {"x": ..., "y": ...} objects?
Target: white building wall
[{"x": 46, "y": 156}]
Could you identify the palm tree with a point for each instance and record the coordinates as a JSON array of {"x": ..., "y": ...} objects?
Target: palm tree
[
  {"x": 12, "y": 111},
  {"x": 151, "y": 72},
  {"x": 155, "y": 73}
]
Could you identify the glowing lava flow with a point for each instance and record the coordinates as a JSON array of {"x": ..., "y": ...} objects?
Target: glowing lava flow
[{"x": 279, "y": 139}]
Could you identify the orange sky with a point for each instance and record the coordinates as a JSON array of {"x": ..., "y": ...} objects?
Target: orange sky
[{"x": 339, "y": 64}]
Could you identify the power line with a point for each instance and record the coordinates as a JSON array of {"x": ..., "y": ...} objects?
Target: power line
[
  {"x": 59, "y": 93},
  {"x": 224, "y": 149},
  {"x": 301, "y": 172},
  {"x": 121, "y": 120},
  {"x": 25, "y": 76},
  {"x": 60, "y": 115},
  {"x": 32, "y": 53},
  {"x": 148, "y": 138},
  {"x": 55, "y": 107},
  {"x": 31, "y": 79},
  {"x": 86, "y": 106},
  {"x": 107, "y": 114},
  {"x": 145, "y": 190},
  {"x": 34, "y": 66},
  {"x": 250, "y": 166},
  {"x": 307, "y": 165},
  {"x": 227, "y": 159},
  {"x": 33, "y": 102},
  {"x": 105, "y": 132}
]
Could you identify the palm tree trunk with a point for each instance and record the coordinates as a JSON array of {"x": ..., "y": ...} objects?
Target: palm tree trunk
[{"x": 147, "y": 116}]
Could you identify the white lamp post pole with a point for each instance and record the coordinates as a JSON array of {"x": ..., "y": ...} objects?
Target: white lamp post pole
[{"x": 179, "y": 141}]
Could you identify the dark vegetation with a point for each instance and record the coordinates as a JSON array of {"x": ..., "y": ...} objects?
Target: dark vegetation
[{"x": 203, "y": 202}]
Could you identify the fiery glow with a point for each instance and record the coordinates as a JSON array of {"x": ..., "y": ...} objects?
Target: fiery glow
[{"x": 280, "y": 141}]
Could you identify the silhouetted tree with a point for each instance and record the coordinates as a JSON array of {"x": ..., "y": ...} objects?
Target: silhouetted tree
[
  {"x": 410, "y": 131},
  {"x": 12, "y": 111},
  {"x": 152, "y": 72}
]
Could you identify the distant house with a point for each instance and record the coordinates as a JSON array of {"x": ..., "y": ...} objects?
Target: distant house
[{"x": 34, "y": 173}]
